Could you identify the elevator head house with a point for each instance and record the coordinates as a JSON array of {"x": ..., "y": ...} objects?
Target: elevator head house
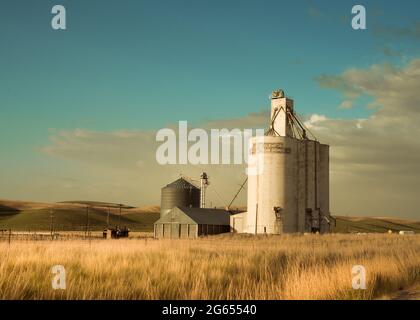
[{"x": 183, "y": 223}]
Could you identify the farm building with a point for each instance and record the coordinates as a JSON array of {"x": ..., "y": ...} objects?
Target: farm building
[
  {"x": 237, "y": 222},
  {"x": 182, "y": 222}
]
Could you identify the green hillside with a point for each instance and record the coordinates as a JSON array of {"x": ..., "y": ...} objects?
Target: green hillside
[
  {"x": 73, "y": 217},
  {"x": 373, "y": 224}
]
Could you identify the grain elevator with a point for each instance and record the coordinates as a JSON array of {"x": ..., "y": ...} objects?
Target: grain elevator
[{"x": 288, "y": 177}]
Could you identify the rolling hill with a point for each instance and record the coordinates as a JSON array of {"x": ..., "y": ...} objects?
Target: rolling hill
[
  {"x": 72, "y": 216},
  {"x": 374, "y": 224}
]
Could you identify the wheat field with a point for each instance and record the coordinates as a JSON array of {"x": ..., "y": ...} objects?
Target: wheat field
[{"x": 220, "y": 267}]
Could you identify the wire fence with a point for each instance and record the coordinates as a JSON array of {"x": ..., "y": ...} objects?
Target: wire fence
[{"x": 11, "y": 235}]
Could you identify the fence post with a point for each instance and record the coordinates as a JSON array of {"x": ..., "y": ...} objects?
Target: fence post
[{"x": 10, "y": 234}]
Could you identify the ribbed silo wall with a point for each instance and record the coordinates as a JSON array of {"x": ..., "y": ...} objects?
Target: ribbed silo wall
[{"x": 178, "y": 197}]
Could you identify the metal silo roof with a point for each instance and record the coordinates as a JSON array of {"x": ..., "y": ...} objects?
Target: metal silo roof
[
  {"x": 198, "y": 215},
  {"x": 181, "y": 183}
]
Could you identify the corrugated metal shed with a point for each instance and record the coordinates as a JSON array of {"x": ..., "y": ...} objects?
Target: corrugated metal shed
[
  {"x": 237, "y": 222},
  {"x": 181, "y": 222},
  {"x": 208, "y": 216}
]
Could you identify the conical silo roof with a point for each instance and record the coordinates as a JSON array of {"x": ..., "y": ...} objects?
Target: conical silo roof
[{"x": 182, "y": 183}]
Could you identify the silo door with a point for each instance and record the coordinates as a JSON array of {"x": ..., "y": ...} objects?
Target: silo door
[{"x": 175, "y": 232}]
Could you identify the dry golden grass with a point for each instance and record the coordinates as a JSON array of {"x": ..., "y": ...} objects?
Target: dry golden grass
[{"x": 222, "y": 267}]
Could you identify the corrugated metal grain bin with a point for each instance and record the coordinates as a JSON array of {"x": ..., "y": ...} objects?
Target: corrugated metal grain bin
[{"x": 179, "y": 193}]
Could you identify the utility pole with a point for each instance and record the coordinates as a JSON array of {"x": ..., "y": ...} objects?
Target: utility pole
[
  {"x": 256, "y": 220},
  {"x": 87, "y": 221},
  {"x": 52, "y": 224},
  {"x": 119, "y": 217},
  {"x": 107, "y": 218}
]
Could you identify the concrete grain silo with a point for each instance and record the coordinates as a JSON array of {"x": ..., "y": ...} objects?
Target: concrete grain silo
[
  {"x": 289, "y": 189},
  {"x": 179, "y": 193}
]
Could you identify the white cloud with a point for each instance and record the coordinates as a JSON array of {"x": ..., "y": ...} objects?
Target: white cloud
[
  {"x": 315, "y": 121},
  {"x": 376, "y": 161},
  {"x": 346, "y": 104}
]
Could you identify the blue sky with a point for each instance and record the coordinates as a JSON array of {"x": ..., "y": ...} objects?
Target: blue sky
[{"x": 145, "y": 64}]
